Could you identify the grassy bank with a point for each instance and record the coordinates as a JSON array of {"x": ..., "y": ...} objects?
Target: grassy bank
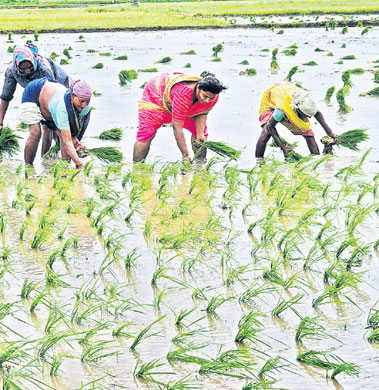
[{"x": 165, "y": 15}]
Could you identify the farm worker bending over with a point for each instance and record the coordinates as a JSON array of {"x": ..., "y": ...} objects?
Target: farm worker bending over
[
  {"x": 292, "y": 107},
  {"x": 64, "y": 111},
  {"x": 27, "y": 66},
  {"x": 179, "y": 99}
]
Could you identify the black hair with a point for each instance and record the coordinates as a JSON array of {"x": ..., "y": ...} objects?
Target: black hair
[{"x": 211, "y": 84}]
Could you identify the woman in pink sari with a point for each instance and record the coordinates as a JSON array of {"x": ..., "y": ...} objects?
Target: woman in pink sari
[{"x": 179, "y": 99}]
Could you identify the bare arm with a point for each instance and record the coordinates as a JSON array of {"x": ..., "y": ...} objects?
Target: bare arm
[
  {"x": 320, "y": 119},
  {"x": 270, "y": 126},
  {"x": 200, "y": 121},
  {"x": 180, "y": 140},
  {"x": 65, "y": 136},
  {"x": 3, "y": 109}
]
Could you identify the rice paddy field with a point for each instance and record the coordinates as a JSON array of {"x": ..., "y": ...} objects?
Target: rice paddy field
[{"x": 235, "y": 274}]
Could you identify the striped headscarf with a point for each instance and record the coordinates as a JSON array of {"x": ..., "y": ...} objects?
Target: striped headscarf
[{"x": 29, "y": 53}]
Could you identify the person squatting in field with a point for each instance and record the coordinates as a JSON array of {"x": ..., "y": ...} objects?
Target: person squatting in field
[
  {"x": 64, "y": 111},
  {"x": 179, "y": 99},
  {"x": 28, "y": 65},
  {"x": 292, "y": 107}
]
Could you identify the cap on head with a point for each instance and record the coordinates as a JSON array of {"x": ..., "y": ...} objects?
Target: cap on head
[
  {"x": 302, "y": 101},
  {"x": 81, "y": 89}
]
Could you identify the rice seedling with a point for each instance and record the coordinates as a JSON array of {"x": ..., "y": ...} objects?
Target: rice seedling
[
  {"x": 40, "y": 237},
  {"x": 289, "y": 52},
  {"x": 373, "y": 92},
  {"x": 215, "y": 302},
  {"x": 11, "y": 352},
  {"x": 329, "y": 93},
  {"x": 274, "y": 63},
  {"x": 357, "y": 215},
  {"x": 49, "y": 341},
  {"x": 283, "y": 305},
  {"x": 373, "y": 317},
  {"x": 345, "y": 280},
  {"x": 56, "y": 362},
  {"x": 344, "y": 30},
  {"x": 217, "y": 49},
  {"x": 225, "y": 364},
  {"x": 292, "y": 71},
  {"x": 182, "y": 384},
  {"x": 181, "y": 316},
  {"x": 106, "y": 154},
  {"x": 328, "y": 361},
  {"x": 181, "y": 354},
  {"x": 285, "y": 142},
  {"x": 37, "y": 299},
  {"x": 273, "y": 364},
  {"x": 27, "y": 288},
  {"x": 340, "y": 96},
  {"x": 9, "y": 145},
  {"x": 160, "y": 272},
  {"x": 249, "y": 327},
  {"x": 126, "y": 76},
  {"x": 373, "y": 337},
  {"x": 111, "y": 134},
  {"x": 92, "y": 353},
  {"x": 145, "y": 371},
  {"x": 144, "y": 333},
  {"x": 189, "y": 52},
  {"x": 67, "y": 53},
  {"x": 309, "y": 327},
  {"x": 182, "y": 337},
  {"x": 349, "y": 57},
  {"x": 99, "y": 65}
]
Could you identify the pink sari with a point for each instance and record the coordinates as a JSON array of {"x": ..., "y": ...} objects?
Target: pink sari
[{"x": 165, "y": 100}]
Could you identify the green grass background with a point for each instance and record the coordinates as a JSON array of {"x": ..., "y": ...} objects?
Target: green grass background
[{"x": 92, "y": 15}]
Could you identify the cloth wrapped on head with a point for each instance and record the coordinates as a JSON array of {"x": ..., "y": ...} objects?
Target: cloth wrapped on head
[
  {"x": 302, "y": 101},
  {"x": 81, "y": 89},
  {"x": 26, "y": 53}
]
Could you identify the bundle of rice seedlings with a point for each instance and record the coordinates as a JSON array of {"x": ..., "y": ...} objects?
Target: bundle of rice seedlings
[
  {"x": 291, "y": 73},
  {"x": 373, "y": 92},
  {"x": 223, "y": 149},
  {"x": 111, "y": 134},
  {"x": 188, "y": 53},
  {"x": 164, "y": 60},
  {"x": 8, "y": 142},
  {"x": 121, "y": 58},
  {"x": 285, "y": 142},
  {"x": 107, "y": 154},
  {"x": 350, "y": 139},
  {"x": 340, "y": 96},
  {"x": 329, "y": 93},
  {"x": 126, "y": 76},
  {"x": 293, "y": 156},
  {"x": 311, "y": 63},
  {"x": 148, "y": 70}
]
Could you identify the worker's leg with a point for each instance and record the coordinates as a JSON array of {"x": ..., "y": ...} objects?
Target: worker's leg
[
  {"x": 262, "y": 142},
  {"x": 141, "y": 150},
  {"x": 312, "y": 145},
  {"x": 32, "y": 142},
  {"x": 47, "y": 136}
]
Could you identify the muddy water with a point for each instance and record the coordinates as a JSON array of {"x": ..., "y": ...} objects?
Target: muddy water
[{"x": 234, "y": 120}]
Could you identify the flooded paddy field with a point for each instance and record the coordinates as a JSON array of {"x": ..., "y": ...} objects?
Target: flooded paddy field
[{"x": 233, "y": 275}]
